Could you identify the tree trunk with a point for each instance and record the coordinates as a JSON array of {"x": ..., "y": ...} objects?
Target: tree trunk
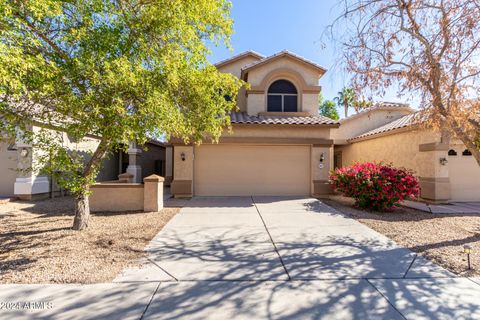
[
  {"x": 467, "y": 142},
  {"x": 82, "y": 212}
]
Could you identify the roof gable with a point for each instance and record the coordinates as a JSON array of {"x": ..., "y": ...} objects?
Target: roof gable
[
  {"x": 238, "y": 57},
  {"x": 280, "y": 55}
]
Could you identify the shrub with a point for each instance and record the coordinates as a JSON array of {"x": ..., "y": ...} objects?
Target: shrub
[{"x": 375, "y": 186}]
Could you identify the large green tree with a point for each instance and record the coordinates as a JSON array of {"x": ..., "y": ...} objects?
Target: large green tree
[
  {"x": 327, "y": 108},
  {"x": 122, "y": 71}
]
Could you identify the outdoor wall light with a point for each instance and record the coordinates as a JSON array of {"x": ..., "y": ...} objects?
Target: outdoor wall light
[
  {"x": 24, "y": 152},
  {"x": 468, "y": 249},
  {"x": 443, "y": 161},
  {"x": 322, "y": 157},
  {"x": 182, "y": 155}
]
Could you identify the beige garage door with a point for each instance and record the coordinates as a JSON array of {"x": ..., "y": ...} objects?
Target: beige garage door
[
  {"x": 242, "y": 170},
  {"x": 464, "y": 175}
]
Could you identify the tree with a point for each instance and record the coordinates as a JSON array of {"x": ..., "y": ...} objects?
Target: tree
[
  {"x": 346, "y": 99},
  {"x": 119, "y": 70},
  {"x": 327, "y": 108},
  {"x": 426, "y": 48}
]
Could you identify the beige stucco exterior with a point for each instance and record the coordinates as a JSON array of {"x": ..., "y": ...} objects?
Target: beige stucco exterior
[
  {"x": 303, "y": 77},
  {"x": 261, "y": 159},
  {"x": 421, "y": 150},
  {"x": 404, "y": 154},
  {"x": 8, "y": 160},
  {"x": 365, "y": 121}
]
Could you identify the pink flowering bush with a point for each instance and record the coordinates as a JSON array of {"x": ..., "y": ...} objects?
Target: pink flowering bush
[{"x": 375, "y": 186}]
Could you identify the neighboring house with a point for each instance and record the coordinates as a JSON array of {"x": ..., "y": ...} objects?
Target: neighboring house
[
  {"x": 393, "y": 134},
  {"x": 24, "y": 184},
  {"x": 280, "y": 145}
]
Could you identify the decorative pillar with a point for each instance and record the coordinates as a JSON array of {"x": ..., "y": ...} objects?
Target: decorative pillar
[
  {"x": 433, "y": 176},
  {"x": 153, "y": 193},
  {"x": 182, "y": 184},
  {"x": 134, "y": 167},
  {"x": 321, "y": 164}
]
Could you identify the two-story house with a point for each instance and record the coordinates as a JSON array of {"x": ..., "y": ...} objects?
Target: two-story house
[{"x": 280, "y": 145}]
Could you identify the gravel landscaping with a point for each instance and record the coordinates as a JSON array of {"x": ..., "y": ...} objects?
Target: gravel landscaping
[
  {"x": 439, "y": 237},
  {"x": 37, "y": 244}
]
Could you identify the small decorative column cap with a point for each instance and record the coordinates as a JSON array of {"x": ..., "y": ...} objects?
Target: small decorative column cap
[{"x": 154, "y": 178}]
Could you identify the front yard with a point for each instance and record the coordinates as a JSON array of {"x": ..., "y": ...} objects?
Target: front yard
[
  {"x": 439, "y": 237},
  {"x": 37, "y": 244}
]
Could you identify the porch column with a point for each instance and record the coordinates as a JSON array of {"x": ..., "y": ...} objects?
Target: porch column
[
  {"x": 27, "y": 184},
  {"x": 433, "y": 174},
  {"x": 182, "y": 184},
  {"x": 134, "y": 167},
  {"x": 321, "y": 164}
]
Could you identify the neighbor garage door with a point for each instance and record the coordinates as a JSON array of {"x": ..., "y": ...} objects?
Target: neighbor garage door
[
  {"x": 242, "y": 170},
  {"x": 464, "y": 174}
]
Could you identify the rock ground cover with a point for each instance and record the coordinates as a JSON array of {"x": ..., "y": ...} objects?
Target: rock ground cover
[
  {"x": 37, "y": 244},
  {"x": 439, "y": 238}
]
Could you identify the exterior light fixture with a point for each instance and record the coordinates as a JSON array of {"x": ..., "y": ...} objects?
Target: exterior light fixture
[
  {"x": 322, "y": 157},
  {"x": 182, "y": 155},
  {"x": 443, "y": 161},
  {"x": 468, "y": 249},
  {"x": 24, "y": 152}
]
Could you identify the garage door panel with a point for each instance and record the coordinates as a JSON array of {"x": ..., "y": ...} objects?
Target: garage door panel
[
  {"x": 241, "y": 170},
  {"x": 464, "y": 174}
]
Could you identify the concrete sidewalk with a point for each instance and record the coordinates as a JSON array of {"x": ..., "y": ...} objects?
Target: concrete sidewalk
[
  {"x": 263, "y": 258},
  {"x": 450, "y": 208}
]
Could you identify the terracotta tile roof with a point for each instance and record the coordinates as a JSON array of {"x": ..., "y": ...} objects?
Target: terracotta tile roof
[
  {"x": 283, "y": 53},
  {"x": 244, "y": 118},
  {"x": 403, "y": 122}
]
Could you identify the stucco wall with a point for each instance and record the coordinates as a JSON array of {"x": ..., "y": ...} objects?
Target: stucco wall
[
  {"x": 273, "y": 131},
  {"x": 117, "y": 197},
  {"x": 257, "y": 75},
  {"x": 364, "y": 122},
  {"x": 8, "y": 164},
  {"x": 235, "y": 68},
  {"x": 401, "y": 149}
]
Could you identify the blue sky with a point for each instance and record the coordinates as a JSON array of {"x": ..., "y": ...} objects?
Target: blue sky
[{"x": 269, "y": 26}]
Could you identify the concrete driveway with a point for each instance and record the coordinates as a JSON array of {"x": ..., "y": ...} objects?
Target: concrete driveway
[{"x": 280, "y": 258}]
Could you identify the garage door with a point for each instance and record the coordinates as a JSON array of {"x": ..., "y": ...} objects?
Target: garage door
[
  {"x": 464, "y": 174},
  {"x": 242, "y": 170}
]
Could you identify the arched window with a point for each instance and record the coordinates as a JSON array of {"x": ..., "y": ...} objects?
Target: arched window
[
  {"x": 466, "y": 152},
  {"x": 452, "y": 152},
  {"x": 282, "y": 97}
]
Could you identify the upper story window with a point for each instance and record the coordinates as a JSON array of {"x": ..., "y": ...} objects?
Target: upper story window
[{"x": 282, "y": 97}]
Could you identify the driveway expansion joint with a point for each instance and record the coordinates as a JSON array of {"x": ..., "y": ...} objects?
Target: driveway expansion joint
[
  {"x": 150, "y": 301},
  {"x": 384, "y": 297},
  {"x": 410, "y": 266},
  {"x": 271, "y": 239}
]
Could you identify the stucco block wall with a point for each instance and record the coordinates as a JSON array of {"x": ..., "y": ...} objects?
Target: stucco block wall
[
  {"x": 8, "y": 164},
  {"x": 401, "y": 149},
  {"x": 117, "y": 197}
]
